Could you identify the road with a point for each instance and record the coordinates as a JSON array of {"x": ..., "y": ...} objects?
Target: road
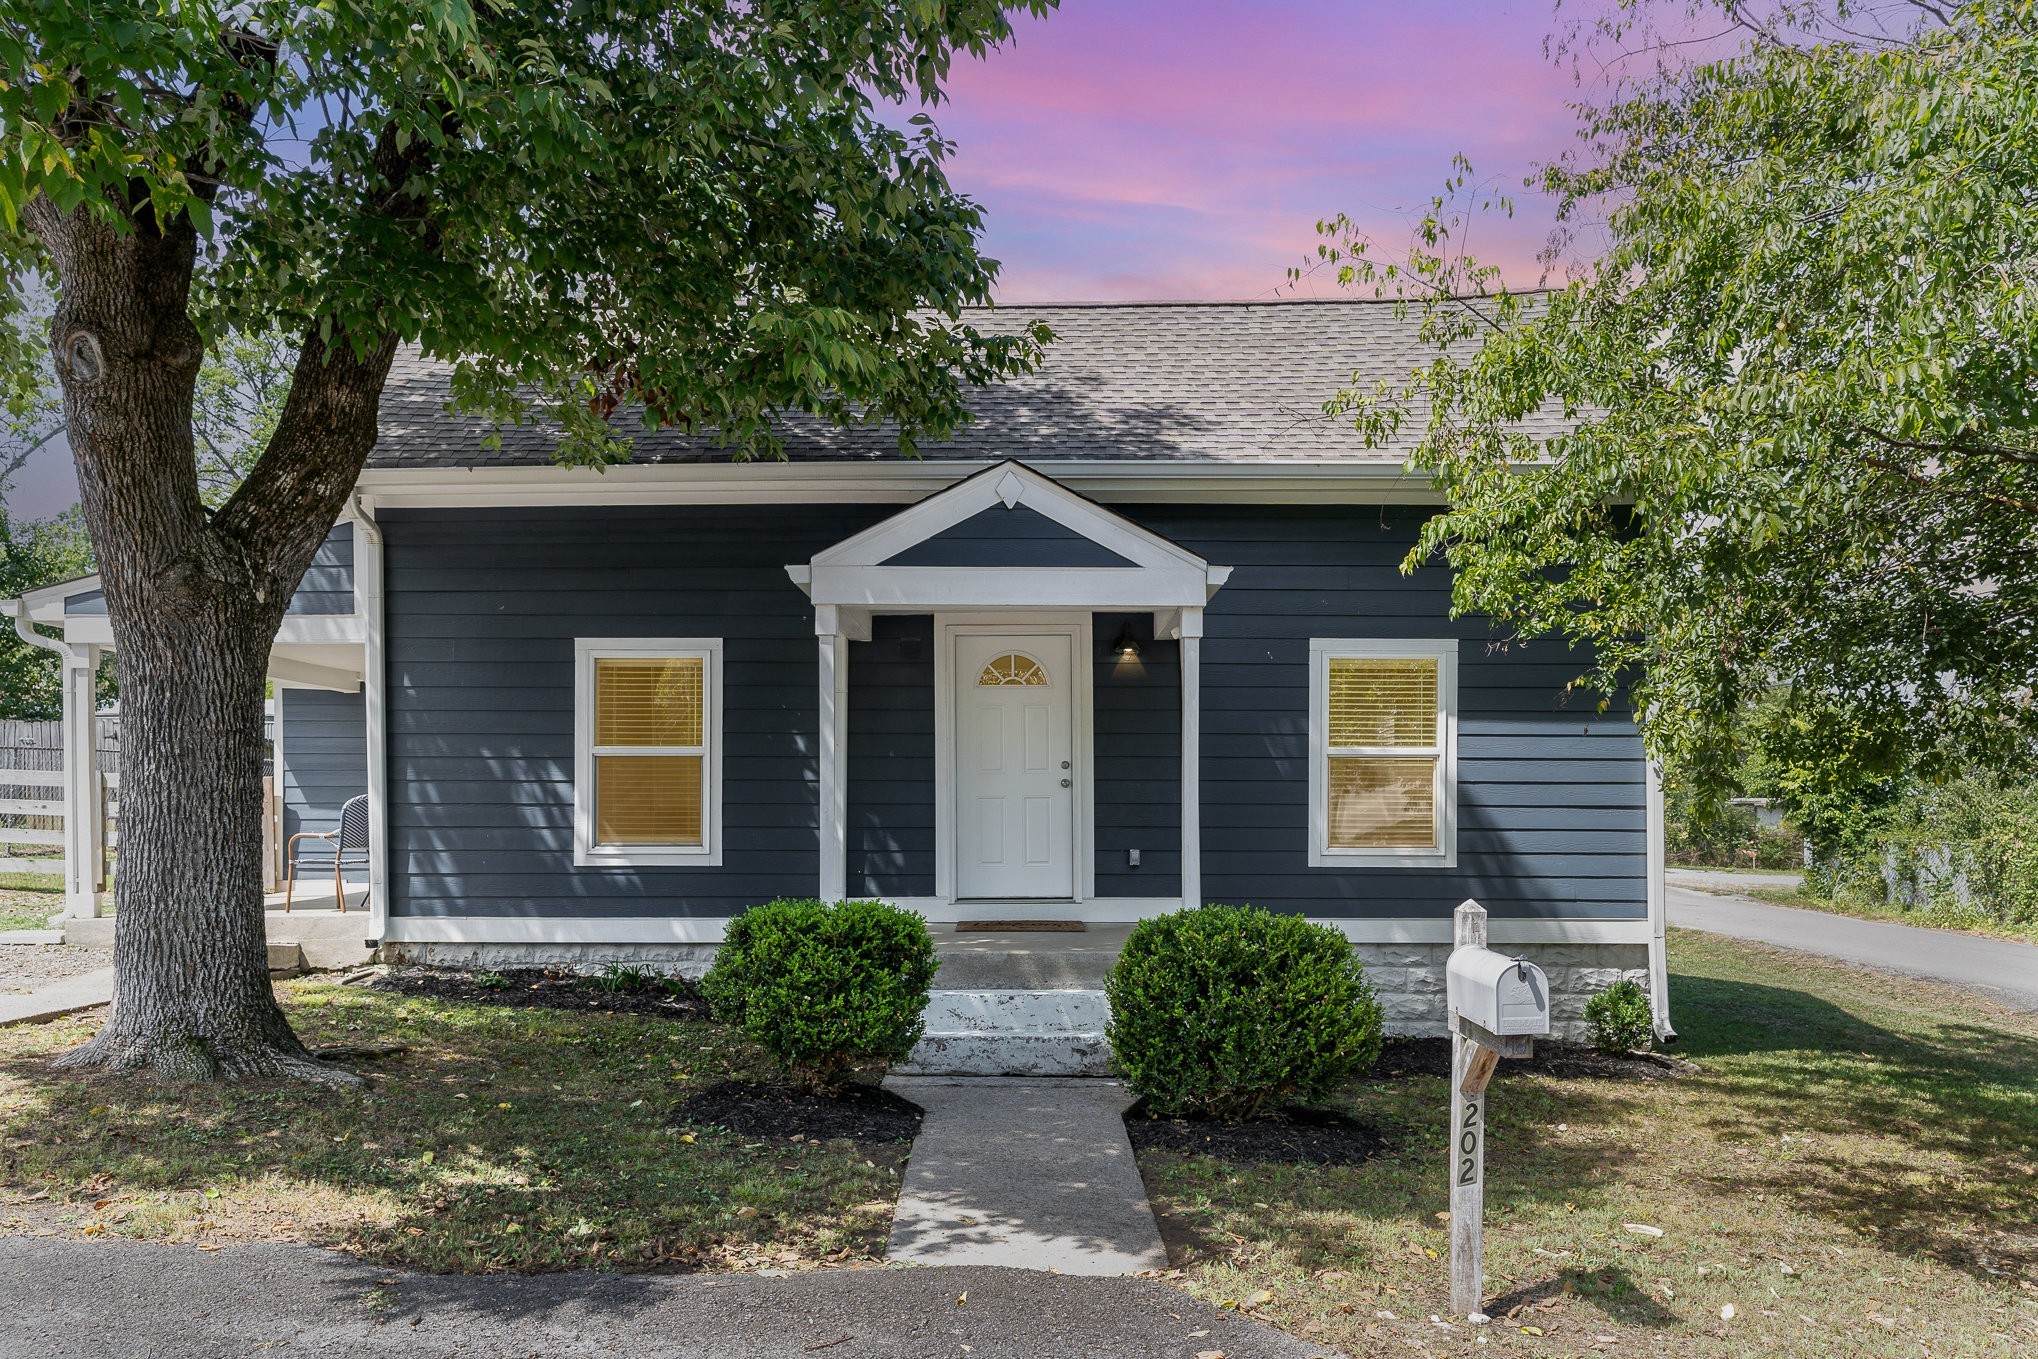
[
  {"x": 2001, "y": 970},
  {"x": 130, "y": 1300}
]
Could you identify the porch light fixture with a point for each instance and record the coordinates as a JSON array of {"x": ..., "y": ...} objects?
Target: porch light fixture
[{"x": 1126, "y": 648}]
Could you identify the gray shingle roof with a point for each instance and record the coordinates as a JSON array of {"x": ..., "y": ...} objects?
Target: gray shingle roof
[{"x": 1199, "y": 382}]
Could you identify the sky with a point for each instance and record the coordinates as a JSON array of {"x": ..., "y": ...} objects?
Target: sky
[{"x": 1177, "y": 149}]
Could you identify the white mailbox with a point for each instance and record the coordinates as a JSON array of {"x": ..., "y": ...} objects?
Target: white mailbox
[{"x": 1503, "y": 995}]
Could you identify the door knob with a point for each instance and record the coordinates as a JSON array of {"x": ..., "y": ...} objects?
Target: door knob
[{"x": 1067, "y": 782}]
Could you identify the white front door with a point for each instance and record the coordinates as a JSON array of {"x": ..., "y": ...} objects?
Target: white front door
[{"x": 1014, "y": 756}]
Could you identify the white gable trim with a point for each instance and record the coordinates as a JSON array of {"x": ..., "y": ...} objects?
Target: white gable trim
[
  {"x": 1009, "y": 484},
  {"x": 1162, "y": 576}
]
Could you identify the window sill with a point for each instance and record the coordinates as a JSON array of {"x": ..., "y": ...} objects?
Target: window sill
[
  {"x": 1383, "y": 858},
  {"x": 647, "y": 857}
]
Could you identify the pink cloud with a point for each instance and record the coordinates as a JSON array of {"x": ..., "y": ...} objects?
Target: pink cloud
[{"x": 1143, "y": 149}]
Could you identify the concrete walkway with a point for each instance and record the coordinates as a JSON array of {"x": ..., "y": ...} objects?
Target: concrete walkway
[
  {"x": 2001, "y": 970},
  {"x": 119, "y": 1300},
  {"x": 58, "y": 998},
  {"x": 1028, "y": 1174}
]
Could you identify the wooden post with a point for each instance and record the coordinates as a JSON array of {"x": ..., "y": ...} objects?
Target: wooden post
[{"x": 1471, "y": 1067}]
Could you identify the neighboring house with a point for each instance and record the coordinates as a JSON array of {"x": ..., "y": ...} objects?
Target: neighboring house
[{"x": 601, "y": 712}]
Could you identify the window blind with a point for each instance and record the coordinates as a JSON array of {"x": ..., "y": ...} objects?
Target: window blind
[
  {"x": 1383, "y": 756},
  {"x": 650, "y": 756}
]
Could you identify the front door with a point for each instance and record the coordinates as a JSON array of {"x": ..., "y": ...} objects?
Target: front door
[{"x": 1014, "y": 758}]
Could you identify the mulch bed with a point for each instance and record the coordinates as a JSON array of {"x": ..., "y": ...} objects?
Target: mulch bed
[
  {"x": 1402, "y": 1058},
  {"x": 861, "y": 1113},
  {"x": 540, "y": 988},
  {"x": 1298, "y": 1137}
]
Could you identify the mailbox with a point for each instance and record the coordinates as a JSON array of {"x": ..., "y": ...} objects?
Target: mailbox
[{"x": 1503, "y": 995}]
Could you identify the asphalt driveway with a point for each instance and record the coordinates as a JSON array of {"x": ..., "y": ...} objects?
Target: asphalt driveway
[
  {"x": 1997, "y": 968},
  {"x": 122, "y": 1300}
]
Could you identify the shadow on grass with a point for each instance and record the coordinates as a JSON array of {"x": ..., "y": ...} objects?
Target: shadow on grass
[
  {"x": 1921, "y": 1136},
  {"x": 502, "y": 1139},
  {"x": 1611, "y": 1289}
]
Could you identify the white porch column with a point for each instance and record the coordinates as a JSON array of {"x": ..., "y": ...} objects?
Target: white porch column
[
  {"x": 1659, "y": 901},
  {"x": 375, "y": 706},
  {"x": 1190, "y": 632},
  {"x": 833, "y": 651},
  {"x": 84, "y": 829}
]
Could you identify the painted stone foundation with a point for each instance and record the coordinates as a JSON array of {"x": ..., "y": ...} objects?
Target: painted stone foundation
[
  {"x": 1410, "y": 981},
  {"x": 673, "y": 960},
  {"x": 1408, "y": 977}
]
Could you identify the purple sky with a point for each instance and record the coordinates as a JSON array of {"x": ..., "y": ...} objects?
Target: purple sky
[{"x": 1186, "y": 148}]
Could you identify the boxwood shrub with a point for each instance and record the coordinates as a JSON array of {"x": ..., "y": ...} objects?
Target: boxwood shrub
[
  {"x": 1230, "y": 1012},
  {"x": 1619, "y": 1019},
  {"x": 832, "y": 992}
]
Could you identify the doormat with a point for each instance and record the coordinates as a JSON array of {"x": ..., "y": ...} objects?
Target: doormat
[{"x": 1021, "y": 926}]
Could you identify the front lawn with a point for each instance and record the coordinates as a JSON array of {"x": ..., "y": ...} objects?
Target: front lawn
[
  {"x": 28, "y": 900},
  {"x": 1853, "y": 1170},
  {"x": 502, "y": 1139}
]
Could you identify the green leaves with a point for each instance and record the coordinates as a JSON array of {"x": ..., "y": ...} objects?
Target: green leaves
[
  {"x": 1781, "y": 434},
  {"x": 543, "y": 192}
]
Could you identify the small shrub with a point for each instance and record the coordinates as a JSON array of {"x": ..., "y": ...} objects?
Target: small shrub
[
  {"x": 491, "y": 981},
  {"x": 1230, "y": 1012},
  {"x": 827, "y": 990},
  {"x": 1619, "y": 1019},
  {"x": 621, "y": 979}
]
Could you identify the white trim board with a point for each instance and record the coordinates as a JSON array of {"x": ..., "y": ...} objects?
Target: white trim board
[
  {"x": 899, "y": 482},
  {"x": 1097, "y": 911}
]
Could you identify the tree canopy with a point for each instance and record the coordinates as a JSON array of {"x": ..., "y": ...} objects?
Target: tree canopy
[
  {"x": 700, "y": 212},
  {"x": 1797, "y": 450},
  {"x": 695, "y": 205}
]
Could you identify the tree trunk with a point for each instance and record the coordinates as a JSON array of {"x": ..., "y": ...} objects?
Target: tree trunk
[{"x": 194, "y": 600}]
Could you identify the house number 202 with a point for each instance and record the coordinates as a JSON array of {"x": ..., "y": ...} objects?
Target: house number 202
[{"x": 1470, "y": 1129}]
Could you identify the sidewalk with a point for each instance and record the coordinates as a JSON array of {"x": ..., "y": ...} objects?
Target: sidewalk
[
  {"x": 1024, "y": 1173},
  {"x": 58, "y": 998}
]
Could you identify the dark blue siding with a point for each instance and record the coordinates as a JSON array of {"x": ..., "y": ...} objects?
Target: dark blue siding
[
  {"x": 482, "y": 609},
  {"x": 1550, "y": 819},
  {"x": 1014, "y": 537},
  {"x": 1138, "y": 778},
  {"x": 891, "y": 760},
  {"x": 328, "y": 583},
  {"x": 325, "y": 756}
]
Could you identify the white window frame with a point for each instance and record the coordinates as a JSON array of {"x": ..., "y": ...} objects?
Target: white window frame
[
  {"x": 1444, "y": 651},
  {"x": 588, "y": 854}
]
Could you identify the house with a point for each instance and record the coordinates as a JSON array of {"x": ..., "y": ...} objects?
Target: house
[{"x": 598, "y": 713}]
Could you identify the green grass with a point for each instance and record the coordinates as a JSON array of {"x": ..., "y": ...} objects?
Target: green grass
[
  {"x": 28, "y": 900},
  {"x": 503, "y": 1139},
  {"x": 1854, "y": 1170},
  {"x": 1929, "y": 917}
]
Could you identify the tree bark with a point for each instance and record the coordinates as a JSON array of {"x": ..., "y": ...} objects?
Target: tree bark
[{"x": 194, "y": 600}]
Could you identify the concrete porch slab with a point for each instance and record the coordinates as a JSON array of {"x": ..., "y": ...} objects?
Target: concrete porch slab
[
  {"x": 1025, "y": 1174},
  {"x": 329, "y": 938}
]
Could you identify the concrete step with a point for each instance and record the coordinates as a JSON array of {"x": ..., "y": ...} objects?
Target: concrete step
[
  {"x": 1013, "y": 1033},
  {"x": 286, "y": 955}
]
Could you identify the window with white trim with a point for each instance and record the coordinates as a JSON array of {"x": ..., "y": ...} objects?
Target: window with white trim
[
  {"x": 1383, "y": 788},
  {"x": 647, "y": 767}
]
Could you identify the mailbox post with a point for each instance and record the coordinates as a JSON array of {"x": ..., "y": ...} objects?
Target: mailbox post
[{"x": 1498, "y": 1005}]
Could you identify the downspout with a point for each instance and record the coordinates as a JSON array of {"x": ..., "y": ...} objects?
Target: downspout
[
  {"x": 1658, "y": 890},
  {"x": 368, "y": 603}
]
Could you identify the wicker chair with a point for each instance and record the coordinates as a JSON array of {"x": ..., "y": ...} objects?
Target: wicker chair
[{"x": 351, "y": 839}]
